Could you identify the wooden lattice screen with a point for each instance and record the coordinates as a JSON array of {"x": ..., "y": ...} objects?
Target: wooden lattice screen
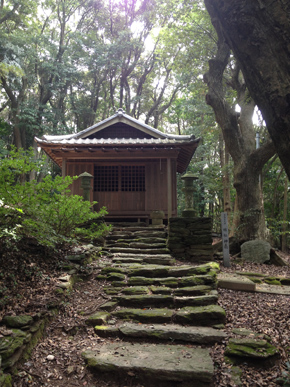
[
  {"x": 106, "y": 178},
  {"x": 133, "y": 178},
  {"x": 128, "y": 178}
]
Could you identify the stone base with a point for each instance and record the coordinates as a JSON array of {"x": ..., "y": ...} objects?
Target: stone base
[
  {"x": 190, "y": 238},
  {"x": 188, "y": 213}
]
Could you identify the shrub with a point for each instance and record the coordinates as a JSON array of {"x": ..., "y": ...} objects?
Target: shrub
[{"x": 45, "y": 211}]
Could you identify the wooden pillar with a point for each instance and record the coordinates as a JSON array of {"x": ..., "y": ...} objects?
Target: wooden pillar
[
  {"x": 169, "y": 188},
  {"x": 63, "y": 168}
]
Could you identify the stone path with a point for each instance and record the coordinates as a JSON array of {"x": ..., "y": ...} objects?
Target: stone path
[{"x": 163, "y": 313}]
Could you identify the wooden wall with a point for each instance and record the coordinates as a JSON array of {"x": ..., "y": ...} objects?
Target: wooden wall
[{"x": 130, "y": 203}]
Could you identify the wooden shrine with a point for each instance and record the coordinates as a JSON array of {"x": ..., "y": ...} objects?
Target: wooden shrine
[{"x": 134, "y": 166}]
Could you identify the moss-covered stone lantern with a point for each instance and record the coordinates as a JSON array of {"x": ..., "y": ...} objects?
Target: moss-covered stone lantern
[
  {"x": 86, "y": 184},
  {"x": 188, "y": 189}
]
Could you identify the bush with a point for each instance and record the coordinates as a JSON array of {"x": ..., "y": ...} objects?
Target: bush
[{"x": 45, "y": 211}]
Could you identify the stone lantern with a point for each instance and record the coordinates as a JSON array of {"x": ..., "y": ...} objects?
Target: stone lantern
[
  {"x": 86, "y": 184},
  {"x": 188, "y": 190}
]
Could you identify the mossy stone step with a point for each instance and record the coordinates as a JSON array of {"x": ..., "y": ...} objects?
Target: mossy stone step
[
  {"x": 163, "y": 260},
  {"x": 171, "y": 282},
  {"x": 146, "y": 301},
  {"x": 197, "y": 335},
  {"x": 250, "y": 348},
  {"x": 172, "y": 363},
  {"x": 134, "y": 239},
  {"x": 140, "y": 245},
  {"x": 193, "y": 290},
  {"x": 159, "y": 300},
  {"x": 133, "y": 290},
  {"x": 135, "y": 250},
  {"x": 209, "y": 315},
  {"x": 180, "y": 302},
  {"x": 143, "y": 281},
  {"x": 145, "y": 315},
  {"x": 209, "y": 269}
]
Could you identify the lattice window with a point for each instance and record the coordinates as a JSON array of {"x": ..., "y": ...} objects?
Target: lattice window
[
  {"x": 133, "y": 178},
  {"x": 106, "y": 178}
]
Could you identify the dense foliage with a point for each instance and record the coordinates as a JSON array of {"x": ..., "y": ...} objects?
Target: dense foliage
[{"x": 44, "y": 211}]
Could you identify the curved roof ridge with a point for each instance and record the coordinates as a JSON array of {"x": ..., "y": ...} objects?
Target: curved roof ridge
[{"x": 119, "y": 116}]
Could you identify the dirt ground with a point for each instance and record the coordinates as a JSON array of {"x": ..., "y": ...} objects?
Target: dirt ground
[{"x": 27, "y": 286}]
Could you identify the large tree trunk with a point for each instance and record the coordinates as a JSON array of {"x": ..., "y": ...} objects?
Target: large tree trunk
[
  {"x": 239, "y": 137},
  {"x": 258, "y": 32}
]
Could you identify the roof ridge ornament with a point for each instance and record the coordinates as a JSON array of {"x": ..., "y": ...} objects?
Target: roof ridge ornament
[{"x": 120, "y": 112}]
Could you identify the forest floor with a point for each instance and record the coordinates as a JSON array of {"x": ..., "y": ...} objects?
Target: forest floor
[{"x": 27, "y": 286}]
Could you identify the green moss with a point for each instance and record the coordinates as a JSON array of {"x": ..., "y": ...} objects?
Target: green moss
[
  {"x": 5, "y": 380},
  {"x": 34, "y": 339},
  {"x": 145, "y": 315},
  {"x": 250, "y": 274},
  {"x": 17, "y": 321},
  {"x": 98, "y": 318},
  {"x": 256, "y": 280},
  {"x": 136, "y": 290},
  {"x": 272, "y": 278},
  {"x": 110, "y": 269},
  {"x": 252, "y": 348},
  {"x": 101, "y": 327},
  {"x": 272, "y": 282},
  {"x": 101, "y": 277},
  {"x": 111, "y": 290}
]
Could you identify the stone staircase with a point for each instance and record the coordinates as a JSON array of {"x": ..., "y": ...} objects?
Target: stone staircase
[{"x": 162, "y": 318}]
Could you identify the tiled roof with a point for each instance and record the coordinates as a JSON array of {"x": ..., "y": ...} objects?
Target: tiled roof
[
  {"x": 119, "y": 116},
  {"x": 115, "y": 141}
]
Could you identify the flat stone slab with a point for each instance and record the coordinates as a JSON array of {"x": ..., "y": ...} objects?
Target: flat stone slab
[
  {"x": 235, "y": 282},
  {"x": 171, "y": 282},
  {"x": 133, "y": 290},
  {"x": 154, "y": 259},
  {"x": 210, "y": 299},
  {"x": 199, "y": 335},
  {"x": 193, "y": 290},
  {"x": 273, "y": 289},
  {"x": 146, "y": 301},
  {"x": 145, "y": 315},
  {"x": 176, "y": 363},
  {"x": 209, "y": 315},
  {"x": 207, "y": 270},
  {"x": 115, "y": 250}
]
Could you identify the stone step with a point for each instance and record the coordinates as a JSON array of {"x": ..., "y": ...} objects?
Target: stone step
[
  {"x": 209, "y": 269},
  {"x": 129, "y": 250},
  {"x": 171, "y": 332},
  {"x": 161, "y": 259},
  {"x": 137, "y": 245},
  {"x": 164, "y": 300},
  {"x": 199, "y": 290},
  {"x": 171, "y": 282},
  {"x": 132, "y": 238},
  {"x": 209, "y": 315},
  {"x": 155, "y": 270},
  {"x": 171, "y": 363},
  {"x": 145, "y": 230}
]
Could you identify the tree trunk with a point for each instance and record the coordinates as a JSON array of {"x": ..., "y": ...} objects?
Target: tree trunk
[
  {"x": 239, "y": 137},
  {"x": 258, "y": 32}
]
